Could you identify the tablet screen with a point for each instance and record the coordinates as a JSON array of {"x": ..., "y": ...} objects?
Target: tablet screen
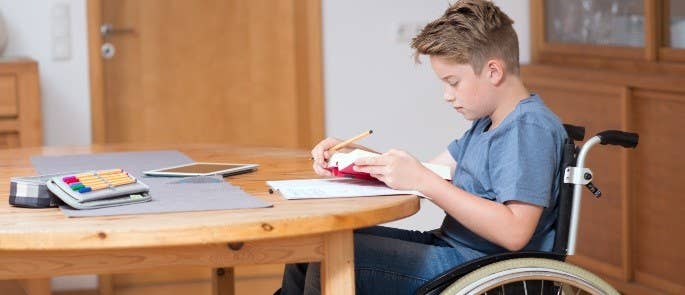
[{"x": 201, "y": 168}]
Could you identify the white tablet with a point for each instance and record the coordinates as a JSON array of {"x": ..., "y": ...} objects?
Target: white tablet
[{"x": 197, "y": 169}]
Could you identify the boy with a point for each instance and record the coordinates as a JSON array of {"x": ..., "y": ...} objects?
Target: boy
[{"x": 506, "y": 167}]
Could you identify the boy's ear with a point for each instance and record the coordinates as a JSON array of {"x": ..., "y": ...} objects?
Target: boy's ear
[{"x": 494, "y": 71}]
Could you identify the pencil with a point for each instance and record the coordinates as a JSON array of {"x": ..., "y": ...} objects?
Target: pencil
[{"x": 351, "y": 140}]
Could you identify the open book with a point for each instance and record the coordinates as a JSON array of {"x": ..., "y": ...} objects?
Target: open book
[
  {"x": 340, "y": 164},
  {"x": 333, "y": 188}
]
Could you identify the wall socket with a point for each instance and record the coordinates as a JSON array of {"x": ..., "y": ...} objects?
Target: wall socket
[{"x": 405, "y": 31}]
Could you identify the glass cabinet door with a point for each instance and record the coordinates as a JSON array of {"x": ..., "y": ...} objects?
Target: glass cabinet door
[
  {"x": 596, "y": 22},
  {"x": 675, "y": 24}
]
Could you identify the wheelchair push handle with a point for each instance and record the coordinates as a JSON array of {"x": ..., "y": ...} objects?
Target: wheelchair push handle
[
  {"x": 617, "y": 137},
  {"x": 576, "y": 133}
]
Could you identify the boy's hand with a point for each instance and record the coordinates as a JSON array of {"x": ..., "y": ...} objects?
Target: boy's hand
[
  {"x": 320, "y": 154},
  {"x": 397, "y": 169}
]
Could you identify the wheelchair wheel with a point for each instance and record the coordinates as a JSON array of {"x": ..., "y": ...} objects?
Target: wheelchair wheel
[{"x": 530, "y": 276}]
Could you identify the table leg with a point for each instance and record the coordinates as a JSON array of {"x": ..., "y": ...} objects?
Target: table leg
[
  {"x": 337, "y": 267},
  {"x": 36, "y": 286},
  {"x": 105, "y": 285},
  {"x": 223, "y": 281}
]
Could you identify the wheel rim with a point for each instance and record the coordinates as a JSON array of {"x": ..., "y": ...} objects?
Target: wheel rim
[{"x": 577, "y": 284}]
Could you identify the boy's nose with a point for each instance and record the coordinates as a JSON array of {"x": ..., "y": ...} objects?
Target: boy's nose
[{"x": 448, "y": 96}]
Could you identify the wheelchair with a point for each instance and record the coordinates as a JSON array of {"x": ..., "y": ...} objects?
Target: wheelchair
[{"x": 531, "y": 272}]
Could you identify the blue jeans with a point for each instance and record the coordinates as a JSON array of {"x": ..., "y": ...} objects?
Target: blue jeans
[{"x": 387, "y": 261}]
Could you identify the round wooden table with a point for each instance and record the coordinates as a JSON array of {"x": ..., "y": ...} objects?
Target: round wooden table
[{"x": 40, "y": 243}]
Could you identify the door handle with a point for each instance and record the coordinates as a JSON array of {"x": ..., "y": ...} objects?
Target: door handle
[{"x": 107, "y": 29}]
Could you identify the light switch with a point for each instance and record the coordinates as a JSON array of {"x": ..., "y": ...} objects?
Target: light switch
[
  {"x": 61, "y": 50},
  {"x": 61, "y": 31}
]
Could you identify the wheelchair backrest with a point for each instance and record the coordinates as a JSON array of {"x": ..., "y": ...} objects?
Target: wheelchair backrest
[{"x": 565, "y": 198}]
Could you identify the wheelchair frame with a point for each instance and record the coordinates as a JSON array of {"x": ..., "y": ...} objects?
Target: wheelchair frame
[{"x": 575, "y": 176}]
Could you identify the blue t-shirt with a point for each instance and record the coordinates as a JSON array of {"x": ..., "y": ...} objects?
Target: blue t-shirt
[{"x": 518, "y": 160}]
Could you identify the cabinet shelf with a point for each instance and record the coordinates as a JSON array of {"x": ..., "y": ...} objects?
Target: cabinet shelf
[{"x": 647, "y": 30}]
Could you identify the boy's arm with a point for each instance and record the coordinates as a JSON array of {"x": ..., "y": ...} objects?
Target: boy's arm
[
  {"x": 522, "y": 165},
  {"x": 510, "y": 225}
]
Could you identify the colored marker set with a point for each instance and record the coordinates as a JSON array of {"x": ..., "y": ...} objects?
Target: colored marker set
[
  {"x": 98, "y": 189},
  {"x": 98, "y": 180}
]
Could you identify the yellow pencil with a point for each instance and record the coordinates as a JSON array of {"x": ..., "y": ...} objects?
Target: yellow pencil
[
  {"x": 121, "y": 182},
  {"x": 86, "y": 178},
  {"x": 351, "y": 140},
  {"x": 87, "y": 182},
  {"x": 116, "y": 177},
  {"x": 103, "y": 172},
  {"x": 97, "y": 187},
  {"x": 113, "y": 171},
  {"x": 105, "y": 178}
]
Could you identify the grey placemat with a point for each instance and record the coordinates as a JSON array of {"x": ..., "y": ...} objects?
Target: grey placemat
[{"x": 169, "y": 194}]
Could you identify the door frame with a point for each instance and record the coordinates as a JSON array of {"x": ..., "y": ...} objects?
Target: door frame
[
  {"x": 96, "y": 71},
  {"x": 308, "y": 66}
]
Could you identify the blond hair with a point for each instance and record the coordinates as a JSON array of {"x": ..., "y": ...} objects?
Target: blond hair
[{"x": 471, "y": 32}]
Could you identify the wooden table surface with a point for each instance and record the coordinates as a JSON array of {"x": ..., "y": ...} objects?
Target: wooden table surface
[{"x": 37, "y": 243}]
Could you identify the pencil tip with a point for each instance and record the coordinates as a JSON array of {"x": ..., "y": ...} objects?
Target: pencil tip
[{"x": 370, "y": 131}]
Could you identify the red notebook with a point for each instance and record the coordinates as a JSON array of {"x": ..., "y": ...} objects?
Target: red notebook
[{"x": 348, "y": 172}]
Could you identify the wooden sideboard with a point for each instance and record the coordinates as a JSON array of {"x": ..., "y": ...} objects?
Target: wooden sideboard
[
  {"x": 597, "y": 71},
  {"x": 631, "y": 236},
  {"x": 20, "y": 112}
]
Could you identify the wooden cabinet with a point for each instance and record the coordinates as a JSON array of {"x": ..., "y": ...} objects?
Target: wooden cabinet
[
  {"x": 20, "y": 114},
  {"x": 622, "y": 67}
]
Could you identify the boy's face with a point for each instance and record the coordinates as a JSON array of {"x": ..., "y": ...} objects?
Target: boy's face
[{"x": 468, "y": 92}]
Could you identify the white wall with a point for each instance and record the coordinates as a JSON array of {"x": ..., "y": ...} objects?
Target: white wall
[
  {"x": 361, "y": 56},
  {"x": 519, "y": 11},
  {"x": 371, "y": 81},
  {"x": 63, "y": 83}
]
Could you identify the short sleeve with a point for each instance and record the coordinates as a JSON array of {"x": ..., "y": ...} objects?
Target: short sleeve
[
  {"x": 523, "y": 163},
  {"x": 455, "y": 149}
]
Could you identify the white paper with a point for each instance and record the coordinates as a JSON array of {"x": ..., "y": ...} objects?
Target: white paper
[{"x": 333, "y": 188}]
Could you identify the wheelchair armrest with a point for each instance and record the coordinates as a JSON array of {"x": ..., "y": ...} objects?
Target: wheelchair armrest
[{"x": 441, "y": 282}]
